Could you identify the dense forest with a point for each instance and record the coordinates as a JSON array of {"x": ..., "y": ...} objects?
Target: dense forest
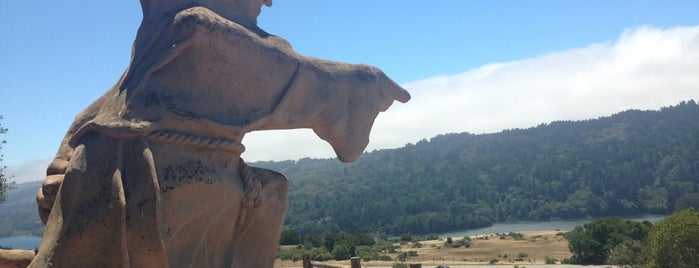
[
  {"x": 19, "y": 216},
  {"x": 630, "y": 163}
]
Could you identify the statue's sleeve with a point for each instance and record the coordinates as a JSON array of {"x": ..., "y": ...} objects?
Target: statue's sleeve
[
  {"x": 338, "y": 101},
  {"x": 233, "y": 75}
]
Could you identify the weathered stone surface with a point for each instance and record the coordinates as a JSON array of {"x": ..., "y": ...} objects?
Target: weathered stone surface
[
  {"x": 150, "y": 174},
  {"x": 15, "y": 258}
]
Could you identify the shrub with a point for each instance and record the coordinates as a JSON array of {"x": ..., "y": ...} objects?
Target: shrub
[
  {"x": 320, "y": 254},
  {"x": 289, "y": 237},
  {"x": 629, "y": 252},
  {"x": 367, "y": 253},
  {"x": 342, "y": 251},
  {"x": 289, "y": 254},
  {"x": 385, "y": 258},
  {"x": 549, "y": 260},
  {"x": 517, "y": 236}
]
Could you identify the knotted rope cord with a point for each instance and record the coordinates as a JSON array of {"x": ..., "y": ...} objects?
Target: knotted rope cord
[
  {"x": 252, "y": 187},
  {"x": 196, "y": 141}
]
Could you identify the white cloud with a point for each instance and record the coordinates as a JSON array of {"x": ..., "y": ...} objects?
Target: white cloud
[
  {"x": 30, "y": 170},
  {"x": 645, "y": 68}
]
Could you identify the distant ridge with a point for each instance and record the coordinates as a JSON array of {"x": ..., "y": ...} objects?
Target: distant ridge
[
  {"x": 18, "y": 215},
  {"x": 630, "y": 163}
]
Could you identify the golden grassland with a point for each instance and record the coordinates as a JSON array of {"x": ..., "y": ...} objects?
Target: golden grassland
[{"x": 532, "y": 248}]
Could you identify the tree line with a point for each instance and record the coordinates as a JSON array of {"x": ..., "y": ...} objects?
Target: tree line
[
  {"x": 633, "y": 162},
  {"x": 671, "y": 242},
  {"x": 630, "y": 163}
]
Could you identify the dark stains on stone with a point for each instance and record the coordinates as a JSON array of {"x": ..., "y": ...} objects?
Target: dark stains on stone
[{"x": 189, "y": 172}]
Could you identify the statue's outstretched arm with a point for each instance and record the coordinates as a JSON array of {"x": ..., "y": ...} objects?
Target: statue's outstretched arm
[
  {"x": 338, "y": 101},
  {"x": 268, "y": 85}
]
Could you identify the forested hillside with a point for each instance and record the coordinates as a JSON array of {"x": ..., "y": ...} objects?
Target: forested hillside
[
  {"x": 630, "y": 163},
  {"x": 18, "y": 216}
]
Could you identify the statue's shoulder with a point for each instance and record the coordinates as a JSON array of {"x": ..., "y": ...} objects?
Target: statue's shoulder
[
  {"x": 204, "y": 18},
  {"x": 200, "y": 15}
]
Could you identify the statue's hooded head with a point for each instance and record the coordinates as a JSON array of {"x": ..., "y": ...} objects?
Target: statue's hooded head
[
  {"x": 244, "y": 12},
  {"x": 157, "y": 12}
]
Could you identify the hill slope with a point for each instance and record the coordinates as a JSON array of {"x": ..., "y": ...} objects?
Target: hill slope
[
  {"x": 629, "y": 163},
  {"x": 18, "y": 215}
]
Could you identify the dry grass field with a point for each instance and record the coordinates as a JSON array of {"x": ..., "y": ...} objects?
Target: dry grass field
[{"x": 532, "y": 248}]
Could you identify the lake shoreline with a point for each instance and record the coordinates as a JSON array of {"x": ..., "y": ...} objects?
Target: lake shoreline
[
  {"x": 562, "y": 225},
  {"x": 32, "y": 242}
]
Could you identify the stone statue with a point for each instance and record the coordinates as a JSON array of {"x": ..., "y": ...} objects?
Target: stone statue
[{"x": 150, "y": 174}]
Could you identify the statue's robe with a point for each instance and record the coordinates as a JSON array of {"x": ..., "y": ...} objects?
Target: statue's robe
[{"x": 150, "y": 174}]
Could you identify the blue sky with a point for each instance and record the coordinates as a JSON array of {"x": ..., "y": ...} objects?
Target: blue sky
[{"x": 476, "y": 66}]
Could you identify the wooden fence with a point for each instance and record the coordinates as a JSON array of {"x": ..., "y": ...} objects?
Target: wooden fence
[{"x": 355, "y": 261}]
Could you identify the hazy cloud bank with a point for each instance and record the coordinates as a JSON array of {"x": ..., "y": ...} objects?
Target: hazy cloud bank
[{"x": 30, "y": 170}]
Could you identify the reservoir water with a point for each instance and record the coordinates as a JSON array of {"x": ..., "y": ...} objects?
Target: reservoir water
[
  {"x": 32, "y": 242},
  {"x": 21, "y": 242},
  {"x": 560, "y": 225}
]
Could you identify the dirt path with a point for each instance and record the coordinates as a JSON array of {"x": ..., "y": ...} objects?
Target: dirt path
[{"x": 530, "y": 249}]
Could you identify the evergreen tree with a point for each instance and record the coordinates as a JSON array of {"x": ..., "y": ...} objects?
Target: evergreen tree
[{"x": 4, "y": 184}]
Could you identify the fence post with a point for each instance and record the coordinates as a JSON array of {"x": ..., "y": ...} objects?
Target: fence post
[
  {"x": 356, "y": 262},
  {"x": 306, "y": 260}
]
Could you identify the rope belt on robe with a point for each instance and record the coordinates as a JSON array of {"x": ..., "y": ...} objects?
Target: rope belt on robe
[{"x": 251, "y": 185}]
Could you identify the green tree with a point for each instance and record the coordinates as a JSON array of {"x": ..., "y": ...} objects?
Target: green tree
[
  {"x": 406, "y": 237},
  {"x": 289, "y": 237},
  {"x": 367, "y": 253},
  {"x": 690, "y": 200},
  {"x": 449, "y": 242},
  {"x": 592, "y": 242},
  {"x": 629, "y": 252},
  {"x": 673, "y": 241},
  {"x": 654, "y": 199},
  {"x": 343, "y": 250},
  {"x": 4, "y": 184},
  {"x": 320, "y": 254}
]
